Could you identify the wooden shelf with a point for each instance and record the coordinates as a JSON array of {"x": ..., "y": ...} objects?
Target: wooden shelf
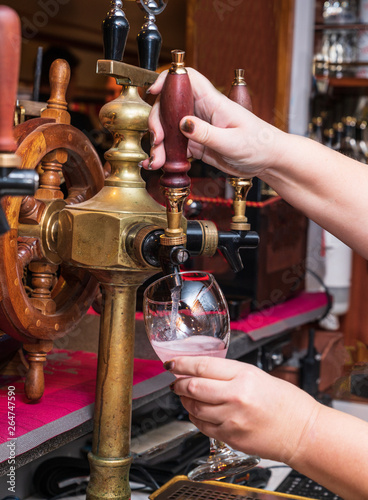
[
  {"x": 349, "y": 82},
  {"x": 355, "y": 26}
]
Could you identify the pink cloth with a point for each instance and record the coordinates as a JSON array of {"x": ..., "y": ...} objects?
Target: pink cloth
[
  {"x": 70, "y": 381},
  {"x": 271, "y": 316}
]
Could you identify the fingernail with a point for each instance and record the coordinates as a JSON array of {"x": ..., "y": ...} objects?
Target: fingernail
[
  {"x": 140, "y": 164},
  {"x": 148, "y": 91},
  {"x": 172, "y": 386},
  {"x": 153, "y": 138},
  {"x": 150, "y": 162},
  {"x": 188, "y": 126},
  {"x": 169, "y": 365}
]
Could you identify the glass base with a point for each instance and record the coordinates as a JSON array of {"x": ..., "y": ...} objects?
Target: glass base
[{"x": 220, "y": 466}]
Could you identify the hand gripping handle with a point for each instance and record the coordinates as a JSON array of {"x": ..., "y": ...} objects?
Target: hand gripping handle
[
  {"x": 176, "y": 102},
  {"x": 10, "y": 35}
]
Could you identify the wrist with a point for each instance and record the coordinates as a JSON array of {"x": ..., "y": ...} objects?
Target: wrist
[
  {"x": 303, "y": 442},
  {"x": 279, "y": 161}
]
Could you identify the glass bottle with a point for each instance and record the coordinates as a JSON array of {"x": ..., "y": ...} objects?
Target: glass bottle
[
  {"x": 361, "y": 144},
  {"x": 348, "y": 144},
  {"x": 329, "y": 136},
  {"x": 338, "y": 133}
]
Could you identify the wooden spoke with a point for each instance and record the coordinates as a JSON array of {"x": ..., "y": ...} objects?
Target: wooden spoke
[
  {"x": 27, "y": 251},
  {"x": 36, "y": 357},
  {"x": 31, "y": 210}
]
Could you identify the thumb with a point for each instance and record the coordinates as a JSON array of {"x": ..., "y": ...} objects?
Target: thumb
[{"x": 202, "y": 132}]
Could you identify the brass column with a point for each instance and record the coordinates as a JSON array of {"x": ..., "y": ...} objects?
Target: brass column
[
  {"x": 110, "y": 458},
  {"x": 103, "y": 235}
]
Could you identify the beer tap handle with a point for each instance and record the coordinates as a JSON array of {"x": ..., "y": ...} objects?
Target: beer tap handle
[
  {"x": 149, "y": 39},
  {"x": 239, "y": 94},
  {"x": 12, "y": 181},
  {"x": 115, "y": 29},
  {"x": 239, "y": 91},
  {"x": 176, "y": 102},
  {"x": 9, "y": 70}
]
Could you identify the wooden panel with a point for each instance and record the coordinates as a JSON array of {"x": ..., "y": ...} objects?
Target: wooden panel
[
  {"x": 226, "y": 34},
  {"x": 355, "y": 322}
]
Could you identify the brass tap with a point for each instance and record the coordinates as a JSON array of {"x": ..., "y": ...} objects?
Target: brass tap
[{"x": 239, "y": 94}]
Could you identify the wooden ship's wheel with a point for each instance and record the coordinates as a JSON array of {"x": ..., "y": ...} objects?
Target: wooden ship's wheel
[{"x": 42, "y": 298}]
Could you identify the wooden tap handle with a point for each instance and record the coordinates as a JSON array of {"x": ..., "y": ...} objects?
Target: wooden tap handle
[
  {"x": 59, "y": 81},
  {"x": 239, "y": 91},
  {"x": 10, "y": 35},
  {"x": 176, "y": 102}
]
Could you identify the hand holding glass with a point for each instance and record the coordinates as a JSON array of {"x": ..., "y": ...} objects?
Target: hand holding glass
[{"x": 186, "y": 314}]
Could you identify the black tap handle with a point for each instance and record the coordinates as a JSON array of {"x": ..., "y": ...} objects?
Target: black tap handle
[
  {"x": 115, "y": 29},
  {"x": 149, "y": 42},
  {"x": 230, "y": 242},
  {"x": 15, "y": 182}
]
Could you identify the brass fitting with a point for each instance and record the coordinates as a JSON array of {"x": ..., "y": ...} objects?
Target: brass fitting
[
  {"x": 241, "y": 189},
  {"x": 175, "y": 198}
]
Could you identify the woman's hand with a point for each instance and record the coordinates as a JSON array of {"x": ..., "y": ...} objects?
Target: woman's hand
[
  {"x": 222, "y": 133},
  {"x": 243, "y": 406}
]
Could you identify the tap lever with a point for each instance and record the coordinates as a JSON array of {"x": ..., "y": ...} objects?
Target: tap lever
[
  {"x": 232, "y": 241},
  {"x": 176, "y": 102},
  {"x": 13, "y": 181},
  {"x": 239, "y": 91},
  {"x": 9, "y": 70},
  {"x": 149, "y": 38},
  {"x": 126, "y": 74},
  {"x": 115, "y": 29},
  {"x": 239, "y": 94}
]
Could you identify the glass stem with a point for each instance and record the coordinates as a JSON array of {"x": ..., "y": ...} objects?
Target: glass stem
[{"x": 218, "y": 447}]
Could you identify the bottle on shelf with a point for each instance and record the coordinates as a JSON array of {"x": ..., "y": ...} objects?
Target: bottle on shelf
[
  {"x": 317, "y": 129},
  {"x": 348, "y": 144},
  {"x": 361, "y": 143},
  {"x": 329, "y": 136},
  {"x": 338, "y": 134}
]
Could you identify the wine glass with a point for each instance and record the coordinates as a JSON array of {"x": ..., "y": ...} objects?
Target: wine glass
[{"x": 186, "y": 314}]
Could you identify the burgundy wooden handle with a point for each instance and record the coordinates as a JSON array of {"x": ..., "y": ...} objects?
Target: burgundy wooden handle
[
  {"x": 10, "y": 36},
  {"x": 176, "y": 102},
  {"x": 239, "y": 91}
]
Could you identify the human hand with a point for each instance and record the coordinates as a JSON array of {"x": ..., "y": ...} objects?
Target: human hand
[
  {"x": 243, "y": 406},
  {"x": 222, "y": 133}
]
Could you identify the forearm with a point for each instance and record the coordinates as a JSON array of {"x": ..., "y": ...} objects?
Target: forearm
[
  {"x": 334, "y": 452},
  {"x": 328, "y": 187}
]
